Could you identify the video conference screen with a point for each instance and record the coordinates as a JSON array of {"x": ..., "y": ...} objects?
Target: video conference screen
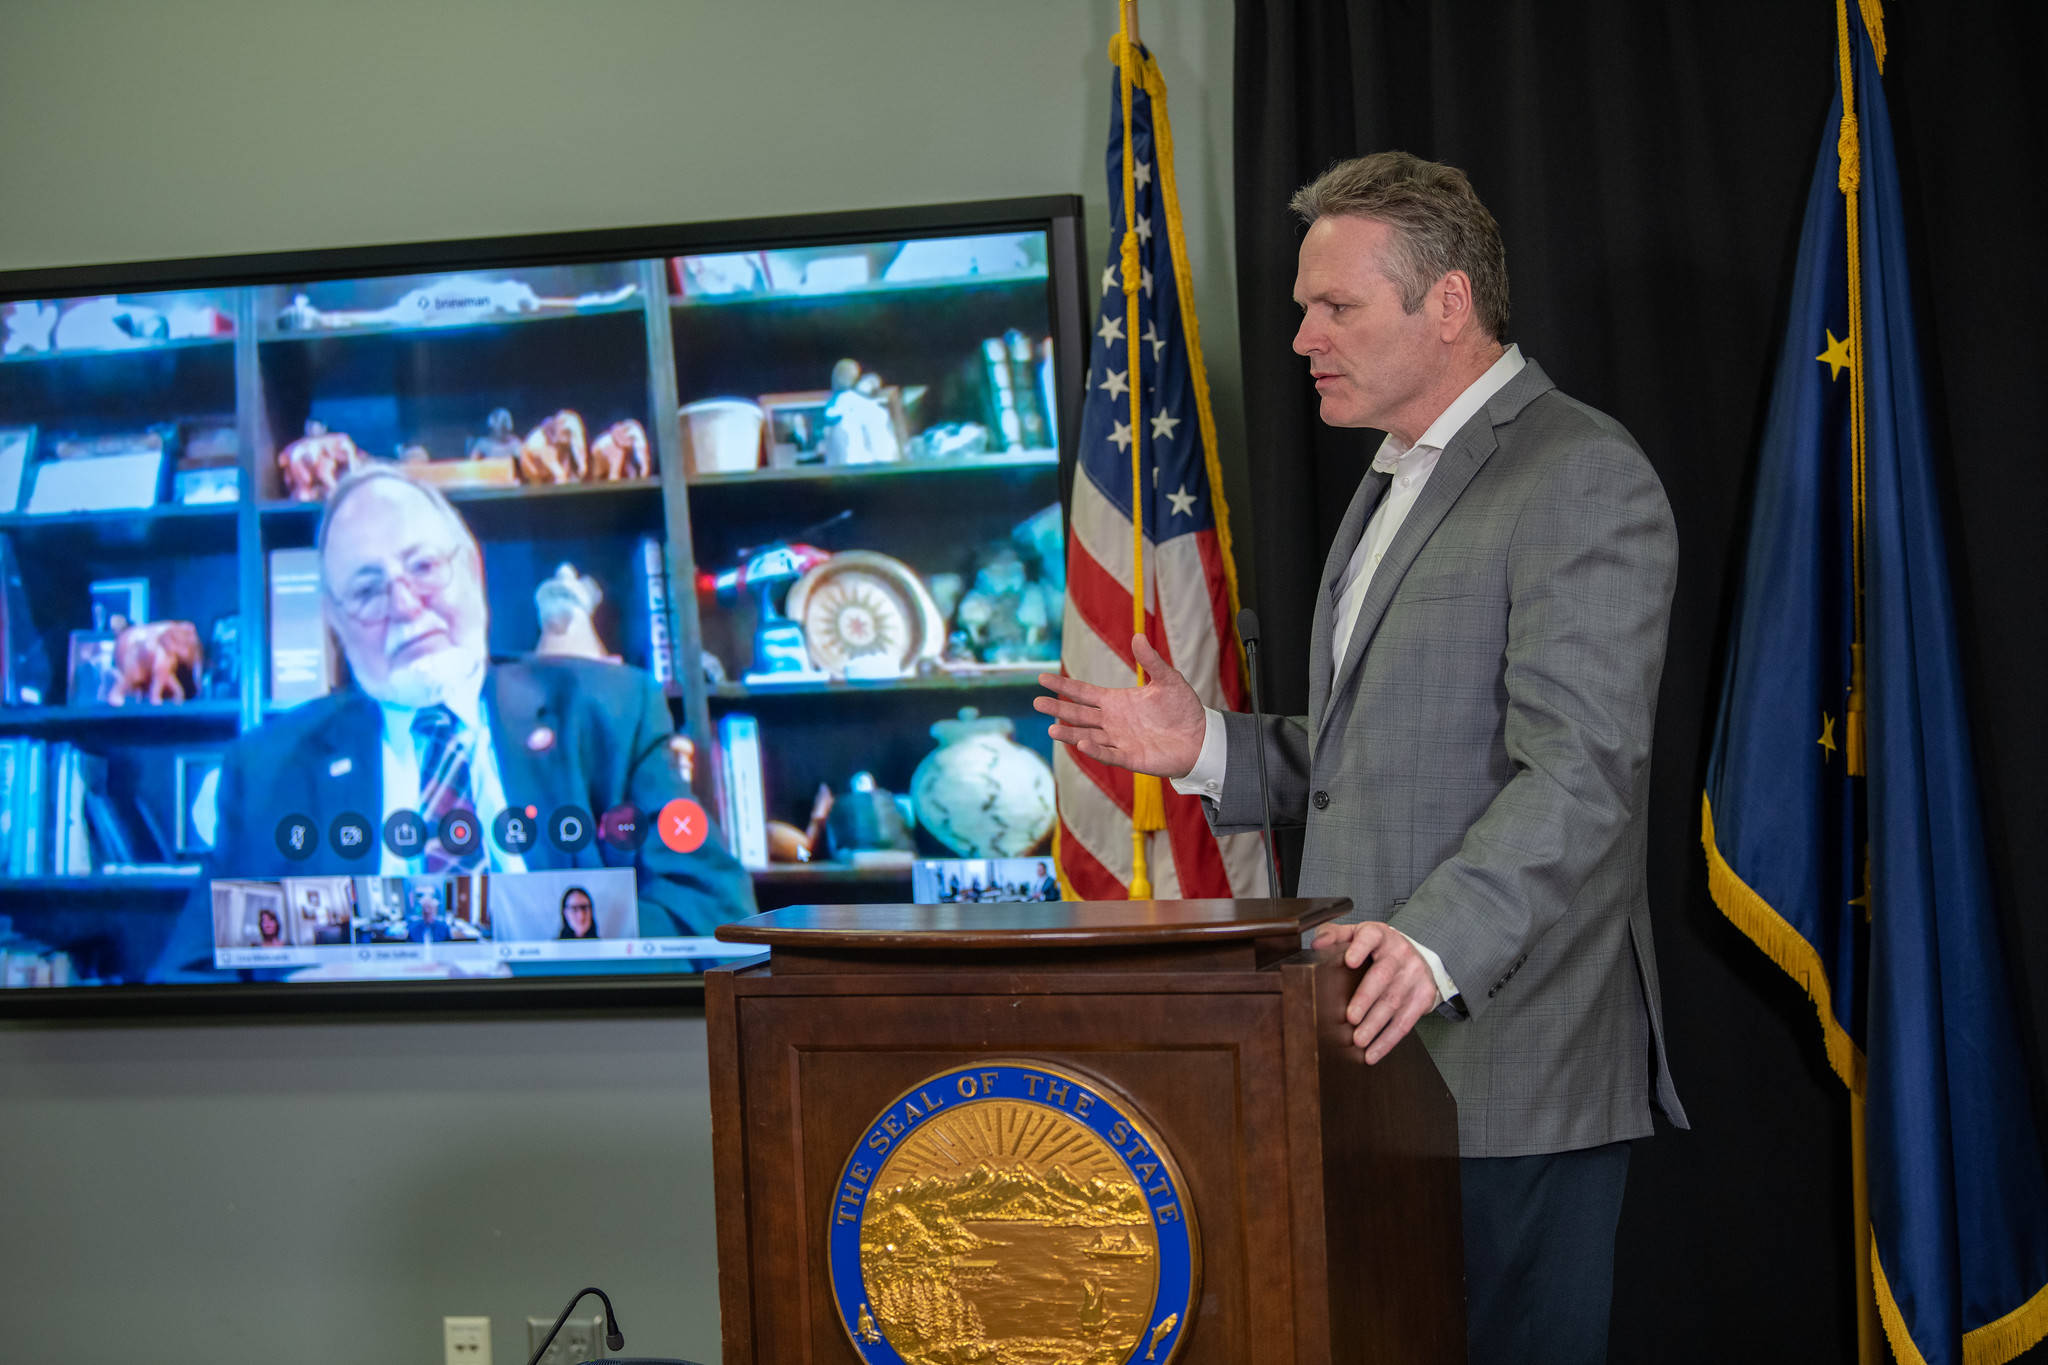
[{"x": 349, "y": 628}]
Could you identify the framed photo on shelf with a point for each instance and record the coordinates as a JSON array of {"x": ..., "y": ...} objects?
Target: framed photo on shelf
[
  {"x": 794, "y": 424},
  {"x": 91, "y": 674},
  {"x": 118, "y": 602},
  {"x": 198, "y": 789},
  {"x": 794, "y": 427},
  {"x": 17, "y": 453}
]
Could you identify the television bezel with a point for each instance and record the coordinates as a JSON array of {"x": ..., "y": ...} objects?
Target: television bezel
[{"x": 1059, "y": 216}]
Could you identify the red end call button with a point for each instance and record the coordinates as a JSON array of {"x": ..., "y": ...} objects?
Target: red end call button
[{"x": 684, "y": 826}]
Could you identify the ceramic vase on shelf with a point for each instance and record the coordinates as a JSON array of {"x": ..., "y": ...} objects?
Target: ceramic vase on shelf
[{"x": 981, "y": 793}]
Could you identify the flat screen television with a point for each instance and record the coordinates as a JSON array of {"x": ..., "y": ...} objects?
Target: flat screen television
[{"x": 470, "y": 621}]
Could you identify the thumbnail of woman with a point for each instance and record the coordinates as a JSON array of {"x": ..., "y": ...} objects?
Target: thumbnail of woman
[
  {"x": 270, "y": 933},
  {"x": 579, "y": 920}
]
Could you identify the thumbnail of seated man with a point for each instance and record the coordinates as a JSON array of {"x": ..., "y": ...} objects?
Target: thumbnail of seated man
[
  {"x": 432, "y": 726},
  {"x": 425, "y": 924}
]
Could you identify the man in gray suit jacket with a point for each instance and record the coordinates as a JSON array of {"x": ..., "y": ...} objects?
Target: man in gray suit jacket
[{"x": 1473, "y": 770}]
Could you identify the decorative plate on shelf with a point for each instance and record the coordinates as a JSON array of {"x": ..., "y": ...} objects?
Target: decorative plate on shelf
[{"x": 866, "y": 615}]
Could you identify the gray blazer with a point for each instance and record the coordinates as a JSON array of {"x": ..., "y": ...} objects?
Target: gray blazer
[{"x": 1477, "y": 772}]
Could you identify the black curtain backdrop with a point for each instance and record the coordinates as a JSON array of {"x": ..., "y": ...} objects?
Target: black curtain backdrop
[{"x": 1648, "y": 164}]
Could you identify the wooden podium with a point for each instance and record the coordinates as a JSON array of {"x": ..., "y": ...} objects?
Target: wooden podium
[{"x": 1315, "y": 1197}]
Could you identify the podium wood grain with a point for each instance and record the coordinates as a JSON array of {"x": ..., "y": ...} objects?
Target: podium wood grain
[{"x": 1325, "y": 1191}]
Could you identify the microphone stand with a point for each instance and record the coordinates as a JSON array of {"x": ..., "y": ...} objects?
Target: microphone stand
[{"x": 1248, "y": 631}]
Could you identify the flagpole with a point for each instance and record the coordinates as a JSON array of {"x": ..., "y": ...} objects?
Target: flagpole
[
  {"x": 1849, "y": 179},
  {"x": 1148, "y": 802},
  {"x": 1849, "y": 153}
]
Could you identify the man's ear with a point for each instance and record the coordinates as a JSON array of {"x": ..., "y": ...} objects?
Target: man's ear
[{"x": 1452, "y": 300}]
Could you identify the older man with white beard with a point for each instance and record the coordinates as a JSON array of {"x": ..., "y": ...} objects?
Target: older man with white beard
[{"x": 436, "y": 753}]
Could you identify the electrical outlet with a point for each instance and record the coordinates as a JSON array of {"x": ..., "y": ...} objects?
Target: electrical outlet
[
  {"x": 466, "y": 1341},
  {"x": 579, "y": 1340}
]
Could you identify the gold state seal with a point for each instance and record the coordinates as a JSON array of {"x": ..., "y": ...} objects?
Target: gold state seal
[{"x": 1012, "y": 1213}]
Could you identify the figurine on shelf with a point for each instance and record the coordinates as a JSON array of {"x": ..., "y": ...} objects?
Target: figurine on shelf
[
  {"x": 159, "y": 659},
  {"x": 567, "y": 604},
  {"x": 787, "y": 843},
  {"x": 555, "y": 451},
  {"x": 500, "y": 439},
  {"x": 621, "y": 453},
  {"x": 858, "y": 427},
  {"x": 29, "y": 327},
  {"x": 223, "y": 678},
  {"x": 314, "y": 463},
  {"x": 867, "y": 818},
  {"x": 107, "y": 324},
  {"x": 1007, "y": 618}
]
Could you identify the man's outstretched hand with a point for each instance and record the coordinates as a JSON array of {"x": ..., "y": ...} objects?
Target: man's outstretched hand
[{"x": 1156, "y": 728}]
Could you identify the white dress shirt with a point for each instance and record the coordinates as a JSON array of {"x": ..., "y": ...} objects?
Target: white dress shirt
[
  {"x": 1409, "y": 468},
  {"x": 486, "y": 789}
]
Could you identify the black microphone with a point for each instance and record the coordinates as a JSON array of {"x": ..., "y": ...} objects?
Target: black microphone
[
  {"x": 614, "y": 1339},
  {"x": 1248, "y": 631}
]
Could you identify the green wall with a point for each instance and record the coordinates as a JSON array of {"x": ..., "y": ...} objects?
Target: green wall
[{"x": 314, "y": 1191}]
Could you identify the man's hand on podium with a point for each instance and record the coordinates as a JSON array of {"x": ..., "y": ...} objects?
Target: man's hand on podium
[
  {"x": 1157, "y": 728},
  {"x": 1395, "y": 991}
]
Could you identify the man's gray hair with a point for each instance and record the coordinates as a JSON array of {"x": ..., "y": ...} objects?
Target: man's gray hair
[
  {"x": 361, "y": 477},
  {"x": 1439, "y": 226}
]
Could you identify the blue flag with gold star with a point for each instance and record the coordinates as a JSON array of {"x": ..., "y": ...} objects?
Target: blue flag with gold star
[{"x": 1840, "y": 818}]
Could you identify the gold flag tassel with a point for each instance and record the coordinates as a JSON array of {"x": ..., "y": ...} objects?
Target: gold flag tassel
[{"x": 1148, "y": 802}]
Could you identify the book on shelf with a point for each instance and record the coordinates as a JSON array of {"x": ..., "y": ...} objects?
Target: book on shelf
[
  {"x": 1024, "y": 385},
  {"x": 60, "y": 809},
  {"x": 649, "y": 620},
  {"x": 17, "y": 456},
  {"x": 25, "y": 800},
  {"x": 58, "y": 818},
  {"x": 16, "y": 802},
  {"x": 158, "y": 837},
  {"x": 76, "y": 826},
  {"x": 128, "y": 480},
  {"x": 1048, "y": 386},
  {"x": 24, "y": 662},
  {"x": 109, "y": 833},
  {"x": 10, "y": 766},
  {"x": 742, "y": 795},
  {"x": 1005, "y": 423},
  {"x": 301, "y": 665}
]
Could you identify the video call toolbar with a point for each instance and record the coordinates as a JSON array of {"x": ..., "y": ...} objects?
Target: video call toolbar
[{"x": 682, "y": 826}]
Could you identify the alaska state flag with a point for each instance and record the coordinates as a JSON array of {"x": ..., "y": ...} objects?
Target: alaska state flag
[{"x": 1866, "y": 880}]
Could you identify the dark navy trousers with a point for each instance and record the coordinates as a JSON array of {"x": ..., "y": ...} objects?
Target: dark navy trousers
[{"x": 1539, "y": 1255}]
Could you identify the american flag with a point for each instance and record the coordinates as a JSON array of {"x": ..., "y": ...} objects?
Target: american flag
[{"x": 1189, "y": 585}]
